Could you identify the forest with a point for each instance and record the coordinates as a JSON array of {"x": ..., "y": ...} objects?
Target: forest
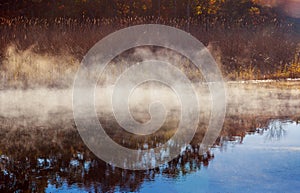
[{"x": 202, "y": 9}]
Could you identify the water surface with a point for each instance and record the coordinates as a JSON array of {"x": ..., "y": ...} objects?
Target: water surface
[{"x": 258, "y": 149}]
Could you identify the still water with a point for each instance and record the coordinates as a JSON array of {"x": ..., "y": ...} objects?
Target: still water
[
  {"x": 265, "y": 159},
  {"x": 258, "y": 149}
]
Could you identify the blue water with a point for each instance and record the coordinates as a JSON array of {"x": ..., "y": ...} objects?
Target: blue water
[
  {"x": 257, "y": 165},
  {"x": 261, "y": 162}
]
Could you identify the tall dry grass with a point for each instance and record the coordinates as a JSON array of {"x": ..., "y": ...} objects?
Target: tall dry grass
[
  {"x": 47, "y": 52},
  {"x": 30, "y": 69}
]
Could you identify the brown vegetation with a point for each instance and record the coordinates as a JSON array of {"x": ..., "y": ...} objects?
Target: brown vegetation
[{"x": 47, "y": 52}]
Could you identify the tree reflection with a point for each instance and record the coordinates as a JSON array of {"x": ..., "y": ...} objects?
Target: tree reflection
[
  {"x": 275, "y": 131},
  {"x": 32, "y": 165},
  {"x": 32, "y": 159}
]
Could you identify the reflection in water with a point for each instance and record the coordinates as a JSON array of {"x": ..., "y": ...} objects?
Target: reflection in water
[
  {"x": 261, "y": 150},
  {"x": 275, "y": 131},
  {"x": 32, "y": 160},
  {"x": 40, "y": 160}
]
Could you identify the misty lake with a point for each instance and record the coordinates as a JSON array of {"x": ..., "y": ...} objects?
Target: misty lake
[{"x": 258, "y": 149}]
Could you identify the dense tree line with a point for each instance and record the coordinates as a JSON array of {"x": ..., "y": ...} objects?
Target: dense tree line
[{"x": 132, "y": 8}]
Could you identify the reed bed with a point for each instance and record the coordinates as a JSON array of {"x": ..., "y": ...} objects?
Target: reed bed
[{"x": 47, "y": 52}]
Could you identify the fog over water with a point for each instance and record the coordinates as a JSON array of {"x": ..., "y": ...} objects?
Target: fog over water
[{"x": 261, "y": 99}]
